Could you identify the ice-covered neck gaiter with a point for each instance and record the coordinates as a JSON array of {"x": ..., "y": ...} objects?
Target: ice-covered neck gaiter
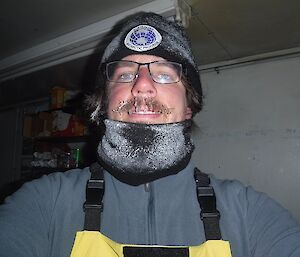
[{"x": 140, "y": 153}]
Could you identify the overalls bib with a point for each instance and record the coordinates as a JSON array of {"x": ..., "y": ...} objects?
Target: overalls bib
[{"x": 91, "y": 243}]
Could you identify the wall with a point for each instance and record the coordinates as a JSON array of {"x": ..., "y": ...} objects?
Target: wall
[{"x": 249, "y": 128}]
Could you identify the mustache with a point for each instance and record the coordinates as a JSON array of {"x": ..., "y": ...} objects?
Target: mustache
[{"x": 136, "y": 104}]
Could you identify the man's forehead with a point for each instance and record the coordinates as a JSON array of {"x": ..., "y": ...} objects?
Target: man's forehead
[{"x": 143, "y": 58}]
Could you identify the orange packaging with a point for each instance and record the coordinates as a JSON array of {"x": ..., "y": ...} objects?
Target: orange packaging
[{"x": 57, "y": 97}]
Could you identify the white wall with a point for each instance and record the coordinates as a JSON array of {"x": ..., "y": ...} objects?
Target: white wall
[{"x": 250, "y": 128}]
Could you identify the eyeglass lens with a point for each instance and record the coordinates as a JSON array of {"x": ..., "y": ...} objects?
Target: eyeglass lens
[{"x": 162, "y": 72}]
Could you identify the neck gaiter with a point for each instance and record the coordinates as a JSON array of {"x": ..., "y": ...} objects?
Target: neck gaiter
[{"x": 140, "y": 153}]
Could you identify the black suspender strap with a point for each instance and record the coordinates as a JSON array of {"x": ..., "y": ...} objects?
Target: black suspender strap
[
  {"x": 93, "y": 205},
  {"x": 207, "y": 200}
]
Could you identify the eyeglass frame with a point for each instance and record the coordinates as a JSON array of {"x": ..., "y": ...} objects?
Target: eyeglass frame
[{"x": 181, "y": 72}]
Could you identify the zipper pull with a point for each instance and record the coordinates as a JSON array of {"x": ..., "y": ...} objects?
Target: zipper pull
[{"x": 147, "y": 187}]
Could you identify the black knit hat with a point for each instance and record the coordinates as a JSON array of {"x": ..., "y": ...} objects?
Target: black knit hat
[{"x": 152, "y": 34}]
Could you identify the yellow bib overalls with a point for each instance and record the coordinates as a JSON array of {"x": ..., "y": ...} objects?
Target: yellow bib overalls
[{"x": 91, "y": 243}]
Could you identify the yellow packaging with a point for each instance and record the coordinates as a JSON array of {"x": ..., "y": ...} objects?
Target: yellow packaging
[{"x": 57, "y": 97}]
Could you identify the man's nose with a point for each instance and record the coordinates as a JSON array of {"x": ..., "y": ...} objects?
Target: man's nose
[{"x": 144, "y": 84}]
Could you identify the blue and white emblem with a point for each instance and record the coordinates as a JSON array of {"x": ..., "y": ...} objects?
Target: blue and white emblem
[{"x": 142, "y": 38}]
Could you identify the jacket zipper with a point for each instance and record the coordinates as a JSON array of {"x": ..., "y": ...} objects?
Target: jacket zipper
[{"x": 150, "y": 213}]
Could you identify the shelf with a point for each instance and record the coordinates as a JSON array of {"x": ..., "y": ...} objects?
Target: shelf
[
  {"x": 65, "y": 139},
  {"x": 71, "y": 109}
]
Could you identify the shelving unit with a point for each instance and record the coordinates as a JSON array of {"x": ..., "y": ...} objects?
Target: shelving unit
[{"x": 59, "y": 150}]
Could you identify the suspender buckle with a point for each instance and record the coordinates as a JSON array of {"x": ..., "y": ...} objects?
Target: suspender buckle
[
  {"x": 87, "y": 206},
  {"x": 215, "y": 215},
  {"x": 203, "y": 191},
  {"x": 93, "y": 205},
  {"x": 96, "y": 183},
  {"x": 94, "y": 194}
]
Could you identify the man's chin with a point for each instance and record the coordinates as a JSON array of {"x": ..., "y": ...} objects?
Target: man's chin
[
  {"x": 144, "y": 118},
  {"x": 147, "y": 118}
]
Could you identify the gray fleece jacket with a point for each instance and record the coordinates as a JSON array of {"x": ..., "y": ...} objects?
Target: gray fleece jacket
[{"x": 41, "y": 219}]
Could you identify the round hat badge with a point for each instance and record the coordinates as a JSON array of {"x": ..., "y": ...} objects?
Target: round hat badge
[{"x": 142, "y": 38}]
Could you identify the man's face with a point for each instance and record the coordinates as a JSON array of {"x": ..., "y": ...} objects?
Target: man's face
[{"x": 145, "y": 101}]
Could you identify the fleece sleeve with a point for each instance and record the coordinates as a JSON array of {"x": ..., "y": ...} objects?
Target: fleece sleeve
[
  {"x": 42, "y": 217},
  {"x": 271, "y": 229},
  {"x": 24, "y": 221}
]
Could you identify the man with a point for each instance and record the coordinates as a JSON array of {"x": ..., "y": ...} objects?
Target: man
[{"x": 153, "y": 194}]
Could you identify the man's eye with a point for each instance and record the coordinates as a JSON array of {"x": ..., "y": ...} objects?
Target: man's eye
[
  {"x": 125, "y": 77},
  {"x": 164, "y": 78},
  {"x": 122, "y": 75}
]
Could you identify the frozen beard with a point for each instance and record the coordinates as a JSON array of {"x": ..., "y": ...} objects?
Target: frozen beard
[
  {"x": 138, "y": 153},
  {"x": 142, "y": 104}
]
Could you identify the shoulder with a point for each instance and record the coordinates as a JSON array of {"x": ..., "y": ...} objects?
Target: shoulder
[
  {"x": 232, "y": 193},
  {"x": 229, "y": 190},
  {"x": 43, "y": 199},
  {"x": 51, "y": 186},
  {"x": 249, "y": 200},
  {"x": 247, "y": 215},
  {"x": 41, "y": 209},
  {"x": 64, "y": 180}
]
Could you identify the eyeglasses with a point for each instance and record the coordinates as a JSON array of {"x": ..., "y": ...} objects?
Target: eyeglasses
[{"x": 162, "y": 72}]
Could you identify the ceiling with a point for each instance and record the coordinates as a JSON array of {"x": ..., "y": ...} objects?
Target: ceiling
[{"x": 219, "y": 30}]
